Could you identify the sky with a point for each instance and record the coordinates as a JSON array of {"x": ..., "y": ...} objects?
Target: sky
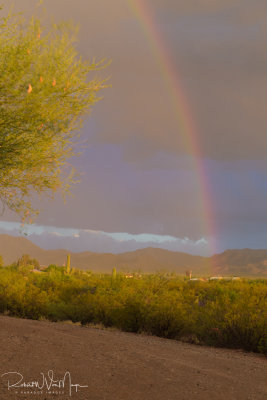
[{"x": 148, "y": 177}]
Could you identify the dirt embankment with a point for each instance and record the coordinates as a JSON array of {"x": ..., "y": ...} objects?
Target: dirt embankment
[{"x": 119, "y": 366}]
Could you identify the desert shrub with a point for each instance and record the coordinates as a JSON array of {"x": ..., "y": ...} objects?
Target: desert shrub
[
  {"x": 226, "y": 314},
  {"x": 166, "y": 318},
  {"x": 25, "y": 260}
]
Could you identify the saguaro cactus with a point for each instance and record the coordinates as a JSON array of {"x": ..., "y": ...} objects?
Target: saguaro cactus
[
  {"x": 114, "y": 273},
  {"x": 68, "y": 264}
]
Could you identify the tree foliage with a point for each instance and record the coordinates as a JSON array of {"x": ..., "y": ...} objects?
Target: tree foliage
[
  {"x": 25, "y": 260},
  {"x": 46, "y": 90}
]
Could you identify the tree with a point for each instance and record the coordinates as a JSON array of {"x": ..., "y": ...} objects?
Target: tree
[
  {"x": 45, "y": 94},
  {"x": 25, "y": 260}
]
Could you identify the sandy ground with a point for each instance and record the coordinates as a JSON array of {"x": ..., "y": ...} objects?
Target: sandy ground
[{"x": 119, "y": 366}]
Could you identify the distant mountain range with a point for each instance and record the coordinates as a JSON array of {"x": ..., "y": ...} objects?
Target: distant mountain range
[{"x": 244, "y": 262}]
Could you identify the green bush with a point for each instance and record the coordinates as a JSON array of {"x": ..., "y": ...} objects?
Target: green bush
[{"x": 226, "y": 314}]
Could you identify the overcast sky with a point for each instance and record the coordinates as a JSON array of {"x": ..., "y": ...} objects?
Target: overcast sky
[{"x": 138, "y": 177}]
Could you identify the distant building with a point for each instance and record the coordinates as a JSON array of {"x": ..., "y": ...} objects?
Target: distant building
[
  {"x": 197, "y": 280},
  {"x": 224, "y": 278},
  {"x": 215, "y": 278},
  {"x": 36, "y": 271}
]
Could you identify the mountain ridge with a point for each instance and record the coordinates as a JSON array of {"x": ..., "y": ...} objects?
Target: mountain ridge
[{"x": 241, "y": 262}]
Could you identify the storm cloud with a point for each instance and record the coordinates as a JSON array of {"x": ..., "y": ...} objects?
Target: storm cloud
[{"x": 139, "y": 177}]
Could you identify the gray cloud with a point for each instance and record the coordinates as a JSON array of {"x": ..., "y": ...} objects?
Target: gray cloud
[
  {"x": 149, "y": 184},
  {"x": 101, "y": 242},
  {"x": 218, "y": 51}
]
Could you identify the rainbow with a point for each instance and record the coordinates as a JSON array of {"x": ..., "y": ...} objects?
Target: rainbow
[{"x": 183, "y": 112}]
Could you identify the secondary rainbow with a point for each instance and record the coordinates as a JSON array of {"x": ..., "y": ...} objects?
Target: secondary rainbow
[{"x": 183, "y": 112}]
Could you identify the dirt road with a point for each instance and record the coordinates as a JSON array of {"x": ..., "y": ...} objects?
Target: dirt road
[{"x": 119, "y": 366}]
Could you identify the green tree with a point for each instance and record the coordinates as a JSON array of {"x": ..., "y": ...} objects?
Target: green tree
[
  {"x": 46, "y": 90},
  {"x": 25, "y": 260}
]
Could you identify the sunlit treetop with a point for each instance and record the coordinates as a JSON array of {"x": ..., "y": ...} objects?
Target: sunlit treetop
[{"x": 46, "y": 91}]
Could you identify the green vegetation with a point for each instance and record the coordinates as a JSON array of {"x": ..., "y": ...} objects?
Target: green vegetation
[
  {"x": 46, "y": 92},
  {"x": 114, "y": 273},
  {"x": 68, "y": 264},
  {"x": 226, "y": 313},
  {"x": 25, "y": 260}
]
